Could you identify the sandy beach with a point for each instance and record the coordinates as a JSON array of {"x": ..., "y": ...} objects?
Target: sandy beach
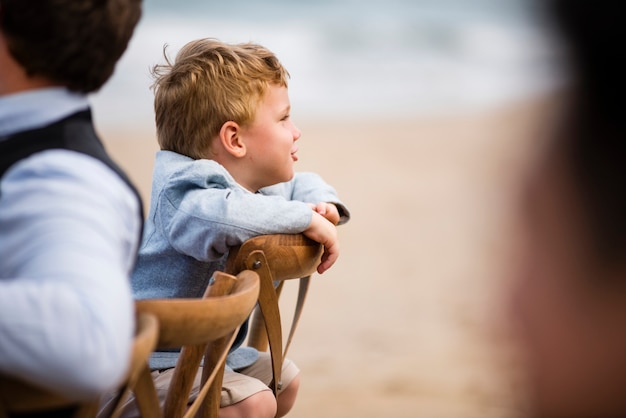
[{"x": 411, "y": 321}]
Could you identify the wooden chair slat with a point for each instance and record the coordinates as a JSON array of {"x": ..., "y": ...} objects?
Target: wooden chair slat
[{"x": 197, "y": 325}]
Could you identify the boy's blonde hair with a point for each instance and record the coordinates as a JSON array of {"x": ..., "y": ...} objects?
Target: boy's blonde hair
[{"x": 209, "y": 84}]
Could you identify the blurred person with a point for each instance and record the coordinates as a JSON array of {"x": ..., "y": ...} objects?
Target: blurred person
[
  {"x": 224, "y": 174},
  {"x": 70, "y": 220},
  {"x": 571, "y": 294}
]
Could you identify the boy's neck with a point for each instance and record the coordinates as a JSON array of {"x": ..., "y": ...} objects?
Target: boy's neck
[{"x": 237, "y": 172}]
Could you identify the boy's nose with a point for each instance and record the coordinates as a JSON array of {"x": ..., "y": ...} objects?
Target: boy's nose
[{"x": 296, "y": 133}]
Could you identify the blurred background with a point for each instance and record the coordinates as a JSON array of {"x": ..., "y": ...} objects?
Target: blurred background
[
  {"x": 424, "y": 114},
  {"x": 355, "y": 57}
]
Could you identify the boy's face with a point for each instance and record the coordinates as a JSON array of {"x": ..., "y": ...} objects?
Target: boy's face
[
  {"x": 570, "y": 305},
  {"x": 271, "y": 140}
]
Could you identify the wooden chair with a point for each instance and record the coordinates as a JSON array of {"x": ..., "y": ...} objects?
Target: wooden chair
[
  {"x": 18, "y": 397},
  {"x": 275, "y": 258},
  {"x": 144, "y": 344},
  {"x": 203, "y": 328}
]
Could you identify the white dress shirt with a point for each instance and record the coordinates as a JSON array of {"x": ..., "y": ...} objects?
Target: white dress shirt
[{"x": 68, "y": 235}]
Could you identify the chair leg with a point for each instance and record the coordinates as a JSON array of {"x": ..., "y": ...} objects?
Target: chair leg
[
  {"x": 303, "y": 289},
  {"x": 268, "y": 303},
  {"x": 212, "y": 375},
  {"x": 146, "y": 396},
  {"x": 182, "y": 381},
  {"x": 257, "y": 336},
  {"x": 210, "y": 406}
]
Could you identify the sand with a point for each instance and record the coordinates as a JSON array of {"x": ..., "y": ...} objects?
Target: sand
[{"x": 412, "y": 320}]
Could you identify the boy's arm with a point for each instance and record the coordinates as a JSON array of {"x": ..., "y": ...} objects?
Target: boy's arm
[
  {"x": 310, "y": 188},
  {"x": 226, "y": 218},
  {"x": 328, "y": 210},
  {"x": 205, "y": 223},
  {"x": 324, "y": 232}
]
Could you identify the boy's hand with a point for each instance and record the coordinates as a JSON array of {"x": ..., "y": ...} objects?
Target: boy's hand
[
  {"x": 324, "y": 232},
  {"x": 327, "y": 210}
]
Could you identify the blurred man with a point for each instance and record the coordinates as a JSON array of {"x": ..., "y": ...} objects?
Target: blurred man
[
  {"x": 70, "y": 220},
  {"x": 571, "y": 296}
]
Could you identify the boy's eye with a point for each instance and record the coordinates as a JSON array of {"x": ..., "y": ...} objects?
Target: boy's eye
[{"x": 285, "y": 117}]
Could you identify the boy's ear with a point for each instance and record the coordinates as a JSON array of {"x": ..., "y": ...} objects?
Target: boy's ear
[{"x": 230, "y": 138}]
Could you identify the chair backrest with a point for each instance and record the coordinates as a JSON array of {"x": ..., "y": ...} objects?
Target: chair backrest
[
  {"x": 18, "y": 397},
  {"x": 202, "y": 327},
  {"x": 146, "y": 337},
  {"x": 291, "y": 256},
  {"x": 275, "y": 258}
]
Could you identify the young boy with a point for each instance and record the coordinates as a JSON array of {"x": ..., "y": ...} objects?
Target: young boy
[
  {"x": 225, "y": 173},
  {"x": 571, "y": 293}
]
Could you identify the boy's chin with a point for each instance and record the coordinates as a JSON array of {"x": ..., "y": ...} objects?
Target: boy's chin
[
  {"x": 278, "y": 180},
  {"x": 286, "y": 178}
]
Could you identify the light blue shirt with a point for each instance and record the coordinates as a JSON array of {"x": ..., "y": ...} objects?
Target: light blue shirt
[
  {"x": 68, "y": 235},
  {"x": 198, "y": 212}
]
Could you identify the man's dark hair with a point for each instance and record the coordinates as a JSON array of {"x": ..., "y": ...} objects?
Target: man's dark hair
[
  {"x": 75, "y": 43},
  {"x": 594, "y": 131}
]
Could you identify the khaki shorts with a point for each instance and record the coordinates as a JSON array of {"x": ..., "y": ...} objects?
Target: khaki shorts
[
  {"x": 244, "y": 383},
  {"x": 236, "y": 386}
]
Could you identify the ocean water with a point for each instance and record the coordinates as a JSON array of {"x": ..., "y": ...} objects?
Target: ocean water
[{"x": 355, "y": 58}]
